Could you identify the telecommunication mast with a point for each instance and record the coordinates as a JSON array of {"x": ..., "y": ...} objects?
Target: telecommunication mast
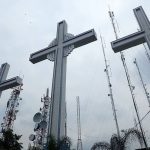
[
  {"x": 41, "y": 120},
  {"x": 110, "y": 88},
  {"x": 12, "y": 109},
  {"x": 79, "y": 143}
]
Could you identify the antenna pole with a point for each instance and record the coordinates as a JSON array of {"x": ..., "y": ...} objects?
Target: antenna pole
[
  {"x": 131, "y": 87},
  {"x": 79, "y": 143},
  {"x": 135, "y": 123},
  {"x": 110, "y": 88},
  {"x": 146, "y": 52},
  {"x": 144, "y": 85}
]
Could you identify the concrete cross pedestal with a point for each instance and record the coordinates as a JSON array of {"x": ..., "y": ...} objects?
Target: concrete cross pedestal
[
  {"x": 137, "y": 37},
  {"x": 57, "y": 51},
  {"x": 10, "y": 83}
]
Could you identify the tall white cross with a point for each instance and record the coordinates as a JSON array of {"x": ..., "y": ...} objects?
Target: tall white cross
[
  {"x": 10, "y": 83},
  {"x": 137, "y": 37},
  {"x": 57, "y": 51}
]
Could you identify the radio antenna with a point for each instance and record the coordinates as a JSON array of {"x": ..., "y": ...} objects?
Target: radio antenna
[
  {"x": 79, "y": 143},
  {"x": 142, "y": 82},
  {"x": 106, "y": 70}
]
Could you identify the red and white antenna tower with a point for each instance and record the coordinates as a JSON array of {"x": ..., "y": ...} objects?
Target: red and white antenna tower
[{"x": 11, "y": 109}]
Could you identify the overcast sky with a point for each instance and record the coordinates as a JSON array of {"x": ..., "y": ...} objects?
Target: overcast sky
[{"x": 30, "y": 25}]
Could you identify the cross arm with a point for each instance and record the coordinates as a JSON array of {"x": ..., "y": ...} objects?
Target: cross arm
[
  {"x": 41, "y": 54},
  {"x": 4, "y": 71},
  {"x": 142, "y": 19},
  {"x": 128, "y": 41},
  {"x": 10, "y": 83},
  {"x": 81, "y": 39}
]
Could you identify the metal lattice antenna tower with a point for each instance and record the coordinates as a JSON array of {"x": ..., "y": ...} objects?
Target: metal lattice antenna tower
[
  {"x": 135, "y": 123},
  {"x": 110, "y": 87},
  {"x": 147, "y": 53},
  {"x": 131, "y": 87},
  {"x": 41, "y": 120},
  {"x": 143, "y": 84},
  {"x": 79, "y": 143},
  {"x": 11, "y": 109}
]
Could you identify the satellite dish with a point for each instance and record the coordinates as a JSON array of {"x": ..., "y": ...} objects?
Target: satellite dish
[
  {"x": 40, "y": 140},
  {"x": 45, "y": 113},
  {"x": 46, "y": 107},
  {"x": 43, "y": 124},
  {"x": 37, "y": 117},
  {"x": 16, "y": 111},
  {"x": 46, "y": 104},
  {"x": 32, "y": 137},
  {"x": 36, "y": 126},
  {"x": 7, "y": 104}
]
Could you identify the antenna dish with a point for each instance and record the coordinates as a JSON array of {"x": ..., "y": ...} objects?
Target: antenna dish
[
  {"x": 37, "y": 117},
  {"x": 43, "y": 124},
  {"x": 36, "y": 126},
  {"x": 32, "y": 137},
  {"x": 7, "y": 104},
  {"x": 46, "y": 104}
]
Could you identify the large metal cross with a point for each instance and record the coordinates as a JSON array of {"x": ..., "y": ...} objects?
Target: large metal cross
[
  {"x": 57, "y": 51},
  {"x": 135, "y": 38},
  {"x": 10, "y": 83}
]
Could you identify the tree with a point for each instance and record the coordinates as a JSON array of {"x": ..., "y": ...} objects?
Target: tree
[
  {"x": 10, "y": 141},
  {"x": 52, "y": 145},
  {"x": 101, "y": 145},
  {"x": 65, "y": 142},
  {"x": 119, "y": 143}
]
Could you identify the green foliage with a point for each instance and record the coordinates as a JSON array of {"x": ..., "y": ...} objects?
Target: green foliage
[
  {"x": 55, "y": 145},
  {"x": 119, "y": 143},
  {"x": 34, "y": 148},
  {"x": 52, "y": 145},
  {"x": 10, "y": 141},
  {"x": 64, "y": 142}
]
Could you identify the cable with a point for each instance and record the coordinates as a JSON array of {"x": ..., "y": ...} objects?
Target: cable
[{"x": 142, "y": 118}]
